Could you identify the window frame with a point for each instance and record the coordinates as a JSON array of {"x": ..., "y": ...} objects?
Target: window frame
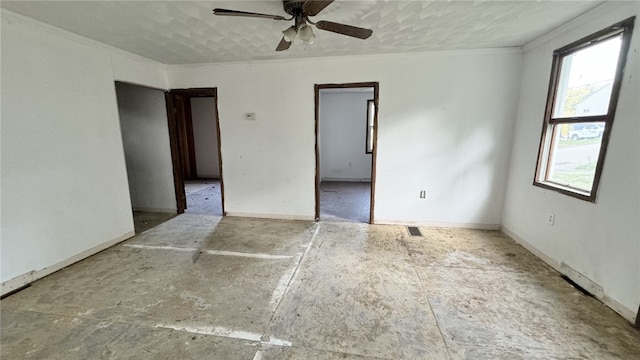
[
  {"x": 551, "y": 124},
  {"x": 370, "y": 126}
]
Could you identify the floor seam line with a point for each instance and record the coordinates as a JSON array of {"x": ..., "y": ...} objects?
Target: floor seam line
[
  {"x": 295, "y": 271},
  {"x": 424, "y": 291},
  {"x": 258, "y": 340},
  {"x": 210, "y": 251},
  {"x": 286, "y": 289},
  {"x": 220, "y": 331}
]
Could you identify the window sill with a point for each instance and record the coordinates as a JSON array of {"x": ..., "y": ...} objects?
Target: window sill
[{"x": 566, "y": 190}]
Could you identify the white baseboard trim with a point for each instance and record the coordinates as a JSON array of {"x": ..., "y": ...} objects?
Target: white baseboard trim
[
  {"x": 436, "y": 224},
  {"x": 532, "y": 249},
  {"x": 157, "y": 210},
  {"x": 624, "y": 311},
  {"x": 271, "y": 216},
  {"x": 586, "y": 283},
  {"x": 578, "y": 278},
  {"x": 33, "y": 275}
]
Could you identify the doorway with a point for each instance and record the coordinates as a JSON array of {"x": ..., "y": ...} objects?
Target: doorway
[
  {"x": 194, "y": 131},
  {"x": 346, "y": 117},
  {"x": 145, "y": 141}
]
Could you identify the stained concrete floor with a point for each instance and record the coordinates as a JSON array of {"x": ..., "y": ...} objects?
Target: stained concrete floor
[
  {"x": 345, "y": 201},
  {"x": 202, "y": 287}
]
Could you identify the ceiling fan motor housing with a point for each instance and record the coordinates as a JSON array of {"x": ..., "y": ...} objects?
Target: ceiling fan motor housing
[{"x": 292, "y": 7}]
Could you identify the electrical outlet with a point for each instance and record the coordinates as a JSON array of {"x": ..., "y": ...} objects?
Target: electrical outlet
[
  {"x": 551, "y": 218},
  {"x": 423, "y": 194}
]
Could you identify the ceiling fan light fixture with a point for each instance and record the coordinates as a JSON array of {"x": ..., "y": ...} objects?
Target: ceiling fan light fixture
[
  {"x": 290, "y": 34},
  {"x": 305, "y": 32},
  {"x": 310, "y": 41}
]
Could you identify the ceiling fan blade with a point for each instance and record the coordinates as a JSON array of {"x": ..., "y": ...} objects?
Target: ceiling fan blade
[
  {"x": 283, "y": 45},
  {"x": 353, "y": 31},
  {"x": 313, "y": 7},
  {"x": 225, "y": 12}
]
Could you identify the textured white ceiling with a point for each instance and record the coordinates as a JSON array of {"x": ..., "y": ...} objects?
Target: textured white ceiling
[{"x": 186, "y": 32}]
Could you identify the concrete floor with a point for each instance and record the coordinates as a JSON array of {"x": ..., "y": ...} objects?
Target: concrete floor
[
  {"x": 198, "y": 287},
  {"x": 143, "y": 221},
  {"x": 203, "y": 197},
  {"x": 339, "y": 201},
  {"x": 345, "y": 201}
]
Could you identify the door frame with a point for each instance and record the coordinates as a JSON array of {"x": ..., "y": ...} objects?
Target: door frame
[
  {"x": 317, "y": 87},
  {"x": 176, "y": 119}
]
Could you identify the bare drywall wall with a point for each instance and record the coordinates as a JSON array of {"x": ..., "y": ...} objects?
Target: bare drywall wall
[
  {"x": 145, "y": 134},
  {"x": 343, "y": 123},
  {"x": 64, "y": 182},
  {"x": 445, "y": 121},
  {"x": 597, "y": 243},
  {"x": 205, "y": 139}
]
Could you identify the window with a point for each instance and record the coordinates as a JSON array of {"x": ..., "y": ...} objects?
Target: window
[
  {"x": 581, "y": 103},
  {"x": 371, "y": 113}
]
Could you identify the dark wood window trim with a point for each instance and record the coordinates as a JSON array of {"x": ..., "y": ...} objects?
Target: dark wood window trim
[
  {"x": 369, "y": 128},
  {"x": 545, "y": 152}
]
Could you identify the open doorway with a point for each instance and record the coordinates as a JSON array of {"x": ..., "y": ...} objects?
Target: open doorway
[
  {"x": 145, "y": 141},
  {"x": 346, "y": 130},
  {"x": 195, "y": 143}
]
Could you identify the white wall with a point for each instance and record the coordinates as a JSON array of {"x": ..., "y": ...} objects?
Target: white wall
[
  {"x": 145, "y": 133},
  {"x": 64, "y": 183},
  {"x": 445, "y": 125},
  {"x": 205, "y": 139},
  {"x": 343, "y": 124},
  {"x": 599, "y": 240}
]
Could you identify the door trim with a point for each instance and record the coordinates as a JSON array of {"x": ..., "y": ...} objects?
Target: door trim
[
  {"x": 189, "y": 147},
  {"x": 174, "y": 122},
  {"x": 375, "y": 85},
  {"x": 178, "y": 181}
]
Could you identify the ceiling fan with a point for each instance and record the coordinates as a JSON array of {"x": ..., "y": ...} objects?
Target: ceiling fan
[{"x": 300, "y": 11}]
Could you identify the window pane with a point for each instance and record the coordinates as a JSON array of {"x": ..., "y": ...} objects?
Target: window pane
[
  {"x": 586, "y": 79},
  {"x": 574, "y": 154},
  {"x": 371, "y": 110}
]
